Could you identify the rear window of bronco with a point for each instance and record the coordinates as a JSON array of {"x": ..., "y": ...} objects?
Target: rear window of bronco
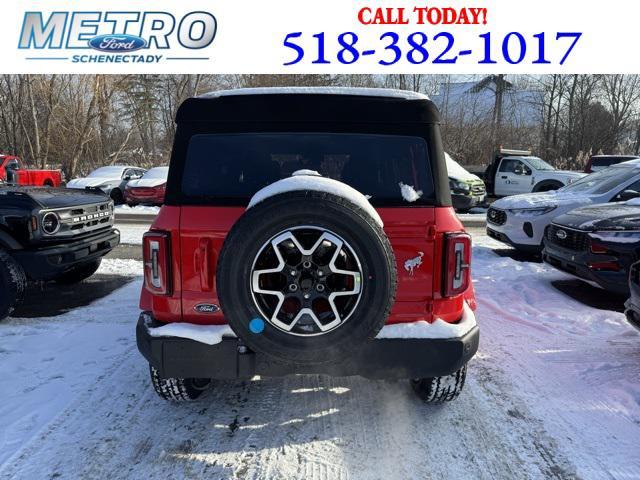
[{"x": 391, "y": 170}]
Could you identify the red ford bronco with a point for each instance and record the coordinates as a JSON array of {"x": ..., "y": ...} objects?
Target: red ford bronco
[{"x": 307, "y": 231}]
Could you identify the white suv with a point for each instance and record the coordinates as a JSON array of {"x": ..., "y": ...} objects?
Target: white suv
[
  {"x": 523, "y": 174},
  {"x": 520, "y": 220}
]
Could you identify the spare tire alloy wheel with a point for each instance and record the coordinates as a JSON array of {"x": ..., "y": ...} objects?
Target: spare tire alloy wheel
[
  {"x": 306, "y": 277},
  {"x": 311, "y": 290}
]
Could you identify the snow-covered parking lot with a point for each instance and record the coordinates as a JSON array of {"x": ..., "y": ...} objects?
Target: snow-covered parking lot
[{"x": 554, "y": 392}]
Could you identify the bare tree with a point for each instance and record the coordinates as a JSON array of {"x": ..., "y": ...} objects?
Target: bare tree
[
  {"x": 80, "y": 122},
  {"x": 621, "y": 95}
]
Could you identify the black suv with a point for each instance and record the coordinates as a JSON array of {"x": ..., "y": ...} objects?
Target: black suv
[
  {"x": 50, "y": 234},
  {"x": 597, "y": 243}
]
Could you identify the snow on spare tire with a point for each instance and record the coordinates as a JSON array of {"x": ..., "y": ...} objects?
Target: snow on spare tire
[{"x": 307, "y": 275}]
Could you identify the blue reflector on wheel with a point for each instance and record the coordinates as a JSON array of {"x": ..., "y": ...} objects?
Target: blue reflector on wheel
[{"x": 256, "y": 325}]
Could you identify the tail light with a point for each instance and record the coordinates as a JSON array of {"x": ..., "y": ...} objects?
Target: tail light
[
  {"x": 607, "y": 266},
  {"x": 457, "y": 263},
  {"x": 156, "y": 247}
]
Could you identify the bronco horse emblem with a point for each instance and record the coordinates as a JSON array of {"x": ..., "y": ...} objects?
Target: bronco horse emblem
[{"x": 413, "y": 263}]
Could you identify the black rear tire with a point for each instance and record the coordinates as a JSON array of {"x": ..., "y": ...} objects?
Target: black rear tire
[
  {"x": 178, "y": 389},
  {"x": 80, "y": 273},
  {"x": 307, "y": 209},
  {"x": 13, "y": 283},
  {"x": 440, "y": 389}
]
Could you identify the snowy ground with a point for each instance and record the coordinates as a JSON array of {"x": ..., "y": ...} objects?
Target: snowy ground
[
  {"x": 553, "y": 393},
  {"x": 131, "y": 233},
  {"x": 137, "y": 210}
]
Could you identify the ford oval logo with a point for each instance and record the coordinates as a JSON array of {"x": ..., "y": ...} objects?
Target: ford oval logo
[
  {"x": 117, "y": 43},
  {"x": 561, "y": 234},
  {"x": 206, "y": 308}
]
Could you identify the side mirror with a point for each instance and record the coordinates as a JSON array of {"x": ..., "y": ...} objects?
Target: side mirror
[
  {"x": 628, "y": 195},
  {"x": 127, "y": 177}
]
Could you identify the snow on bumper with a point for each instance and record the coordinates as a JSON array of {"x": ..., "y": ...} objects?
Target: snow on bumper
[
  {"x": 207, "y": 334},
  {"x": 438, "y": 329}
]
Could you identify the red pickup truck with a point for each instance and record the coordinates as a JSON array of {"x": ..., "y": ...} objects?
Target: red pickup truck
[{"x": 11, "y": 172}]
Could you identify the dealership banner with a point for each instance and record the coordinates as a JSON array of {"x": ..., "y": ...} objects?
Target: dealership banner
[{"x": 332, "y": 36}]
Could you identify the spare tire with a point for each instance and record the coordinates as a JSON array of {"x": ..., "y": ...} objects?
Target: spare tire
[{"x": 306, "y": 277}]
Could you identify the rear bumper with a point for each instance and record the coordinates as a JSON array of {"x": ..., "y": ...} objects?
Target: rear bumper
[
  {"x": 465, "y": 202},
  {"x": 377, "y": 359},
  {"x": 576, "y": 264},
  {"x": 131, "y": 197},
  {"x": 47, "y": 263}
]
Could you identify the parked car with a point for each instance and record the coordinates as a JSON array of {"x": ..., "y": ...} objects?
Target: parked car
[
  {"x": 112, "y": 180},
  {"x": 10, "y": 172},
  {"x": 600, "y": 162},
  {"x": 148, "y": 190},
  {"x": 520, "y": 220},
  {"x": 50, "y": 234},
  {"x": 268, "y": 259},
  {"x": 597, "y": 243},
  {"x": 632, "y": 305},
  {"x": 467, "y": 189},
  {"x": 518, "y": 171}
]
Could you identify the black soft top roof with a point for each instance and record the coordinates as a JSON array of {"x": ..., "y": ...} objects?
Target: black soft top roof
[{"x": 310, "y": 105}]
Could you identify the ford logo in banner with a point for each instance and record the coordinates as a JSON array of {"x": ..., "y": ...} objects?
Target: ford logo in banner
[{"x": 117, "y": 43}]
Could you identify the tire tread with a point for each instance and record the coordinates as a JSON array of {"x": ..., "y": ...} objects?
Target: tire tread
[
  {"x": 439, "y": 390},
  {"x": 173, "y": 389}
]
